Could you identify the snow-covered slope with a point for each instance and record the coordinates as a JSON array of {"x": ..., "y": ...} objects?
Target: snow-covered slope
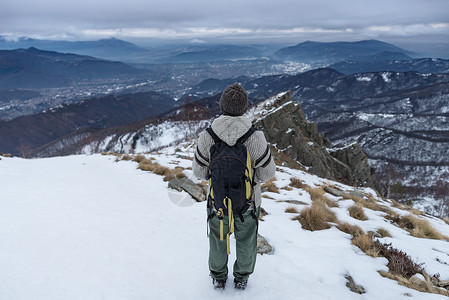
[{"x": 88, "y": 227}]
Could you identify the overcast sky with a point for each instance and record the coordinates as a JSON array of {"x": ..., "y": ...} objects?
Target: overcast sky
[{"x": 228, "y": 20}]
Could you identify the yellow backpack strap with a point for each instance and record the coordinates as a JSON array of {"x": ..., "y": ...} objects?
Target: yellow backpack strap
[
  {"x": 220, "y": 217},
  {"x": 249, "y": 176},
  {"x": 228, "y": 205}
]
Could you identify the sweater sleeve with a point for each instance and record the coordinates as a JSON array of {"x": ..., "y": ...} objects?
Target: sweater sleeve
[
  {"x": 261, "y": 155},
  {"x": 201, "y": 159}
]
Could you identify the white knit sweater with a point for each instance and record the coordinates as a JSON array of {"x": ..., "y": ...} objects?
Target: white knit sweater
[{"x": 229, "y": 129}]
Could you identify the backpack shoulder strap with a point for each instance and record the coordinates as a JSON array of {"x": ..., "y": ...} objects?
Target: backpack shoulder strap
[
  {"x": 213, "y": 135},
  {"x": 246, "y": 136}
]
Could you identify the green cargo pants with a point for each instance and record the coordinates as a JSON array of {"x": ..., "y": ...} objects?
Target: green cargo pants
[{"x": 246, "y": 246}]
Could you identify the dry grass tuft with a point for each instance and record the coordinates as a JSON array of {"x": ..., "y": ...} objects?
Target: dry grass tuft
[
  {"x": 271, "y": 186},
  {"x": 126, "y": 157},
  {"x": 446, "y": 221},
  {"x": 417, "y": 227},
  {"x": 287, "y": 188},
  {"x": 148, "y": 165},
  {"x": 138, "y": 158},
  {"x": 110, "y": 153},
  {"x": 356, "y": 211},
  {"x": 263, "y": 213},
  {"x": 382, "y": 232},
  {"x": 174, "y": 173},
  {"x": 316, "y": 217},
  {"x": 268, "y": 197},
  {"x": 203, "y": 183},
  {"x": 369, "y": 202},
  {"x": 292, "y": 210},
  {"x": 353, "y": 230},
  {"x": 386, "y": 209},
  {"x": 422, "y": 286},
  {"x": 365, "y": 243},
  {"x": 297, "y": 183},
  {"x": 317, "y": 195}
]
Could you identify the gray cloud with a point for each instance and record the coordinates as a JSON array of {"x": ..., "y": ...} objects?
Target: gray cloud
[{"x": 231, "y": 19}]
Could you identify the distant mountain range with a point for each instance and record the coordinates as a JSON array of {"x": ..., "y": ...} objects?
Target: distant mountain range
[
  {"x": 421, "y": 65},
  {"x": 24, "y": 134},
  {"x": 33, "y": 68},
  {"x": 328, "y": 53},
  {"x": 315, "y": 53},
  {"x": 111, "y": 49}
]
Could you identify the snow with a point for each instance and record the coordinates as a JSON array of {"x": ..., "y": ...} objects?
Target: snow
[
  {"x": 87, "y": 227},
  {"x": 385, "y": 76},
  {"x": 363, "y": 78}
]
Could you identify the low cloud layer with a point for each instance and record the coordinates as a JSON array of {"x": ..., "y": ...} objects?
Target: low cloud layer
[{"x": 227, "y": 20}]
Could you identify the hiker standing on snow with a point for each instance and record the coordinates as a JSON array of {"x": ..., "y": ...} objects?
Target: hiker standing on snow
[{"x": 236, "y": 159}]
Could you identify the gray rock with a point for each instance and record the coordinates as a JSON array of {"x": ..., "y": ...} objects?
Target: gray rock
[
  {"x": 353, "y": 287},
  {"x": 189, "y": 186},
  {"x": 356, "y": 193},
  {"x": 333, "y": 191},
  {"x": 263, "y": 247}
]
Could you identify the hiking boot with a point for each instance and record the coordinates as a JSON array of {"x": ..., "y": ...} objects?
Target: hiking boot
[
  {"x": 219, "y": 284},
  {"x": 240, "y": 285}
]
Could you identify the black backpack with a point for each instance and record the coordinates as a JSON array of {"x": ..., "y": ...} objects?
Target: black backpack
[{"x": 231, "y": 180}]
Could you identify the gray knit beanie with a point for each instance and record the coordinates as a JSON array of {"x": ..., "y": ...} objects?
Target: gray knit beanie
[{"x": 234, "y": 100}]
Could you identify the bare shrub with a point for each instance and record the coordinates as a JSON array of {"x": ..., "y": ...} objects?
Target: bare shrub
[
  {"x": 399, "y": 263},
  {"x": 356, "y": 211},
  {"x": 316, "y": 217},
  {"x": 270, "y": 186}
]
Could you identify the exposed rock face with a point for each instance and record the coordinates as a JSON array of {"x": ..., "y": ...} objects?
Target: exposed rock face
[{"x": 286, "y": 127}]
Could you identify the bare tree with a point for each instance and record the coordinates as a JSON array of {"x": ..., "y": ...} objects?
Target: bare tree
[
  {"x": 388, "y": 176},
  {"x": 442, "y": 196}
]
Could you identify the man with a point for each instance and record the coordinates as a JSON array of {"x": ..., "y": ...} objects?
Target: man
[{"x": 229, "y": 128}]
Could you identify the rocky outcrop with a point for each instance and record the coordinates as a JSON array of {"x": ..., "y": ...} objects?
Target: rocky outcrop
[{"x": 287, "y": 129}]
